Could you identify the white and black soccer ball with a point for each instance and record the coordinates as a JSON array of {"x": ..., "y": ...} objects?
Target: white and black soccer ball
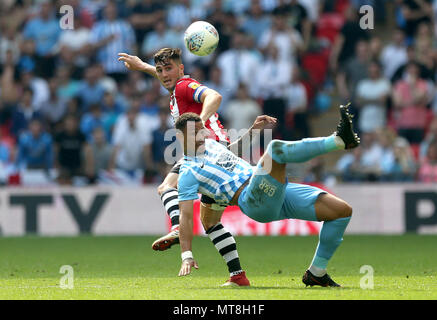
[{"x": 201, "y": 38}]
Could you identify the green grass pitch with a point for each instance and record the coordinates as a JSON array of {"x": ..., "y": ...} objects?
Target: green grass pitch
[{"x": 405, "y": 267}]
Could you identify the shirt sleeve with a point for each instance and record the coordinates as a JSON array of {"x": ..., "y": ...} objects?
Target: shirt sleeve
[
  {"x": 188, "y": 186},
  {"x": 192, "y": 91}
]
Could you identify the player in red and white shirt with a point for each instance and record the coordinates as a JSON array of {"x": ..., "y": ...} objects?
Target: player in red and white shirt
[{"x": 188, "y": 95}]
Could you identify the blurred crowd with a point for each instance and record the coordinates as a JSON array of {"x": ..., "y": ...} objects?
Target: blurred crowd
[{"x": 70, "y": 113}]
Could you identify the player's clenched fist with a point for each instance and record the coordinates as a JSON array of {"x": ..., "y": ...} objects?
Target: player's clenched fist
[
  {"x": 186, "y": 267},
  {"x": 131, "y": 62}
]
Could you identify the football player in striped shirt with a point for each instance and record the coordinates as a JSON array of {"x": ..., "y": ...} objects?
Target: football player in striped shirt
[
  {"x": 188, "y": 95},
  {"x": 262, "y": 192}
]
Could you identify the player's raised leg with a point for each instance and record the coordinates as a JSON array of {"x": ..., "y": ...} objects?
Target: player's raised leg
[
  {"x": 224, "y": 243},
  {"x": 169, "y": 197},
  {"x": 298, "y": 201},
  {"x": 303, "y": 150}
]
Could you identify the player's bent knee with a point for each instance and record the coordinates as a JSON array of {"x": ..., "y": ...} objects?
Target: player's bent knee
[
  {"x": 347, "y": 210},
  {"x": 163, "y": 187},
  {"x": 344, "y": 210}
]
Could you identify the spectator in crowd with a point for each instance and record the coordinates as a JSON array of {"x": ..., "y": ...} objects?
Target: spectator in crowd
[
  {"x": 39, "y": 86},
  {"x": 23, "y": 113},
  {"x": 273, "y": 78},
  {"x": 98, "y": 155},
  {"x": 13, "y": 14},
  {"x": 431, "y": 136},
  {"x": 238, "y": 65},
  {"x": 70, "y": 71},
  {"x": 7, "y": 152},
  {"x": 404, "y": 166},
  {"x": 245, "y": 107},
  {"x": 45, "y": 31},
  {"x": 69, "y": 146},
  {"x": 298, "y": 19},
  {"x": 397, "y": 162},
  {"x": 296, "y": 107},
  {"x": 132, "y": 139},
  {"x": 145, "y": 15},
  {"x": 56, "y": 107},
  {"x": 159, "y": 145},
  {"x": 287, "y": 39},
  {"x": 226, "y": 24},
  {"x": 428, "y": 166},
  {"x": 161, "y": 37},
  {"x": 93, "y": 7},
  {"x": 105, "y": 81},
  {"x": 425, "y": 46},
  {"x": 91, "y": 91},
  {"x": 314, "y": 173},
  {"x": 400, "y": 73},
  {"x": 10, "y": 43},
  {"x": 149, "y": 104},
  {"x": 347, "y": 40},
  {"x": 375, "y": 47},
  {"x": 363, "y": 164},
  {"x": 215, "y": 83},
  {"x": 256, "y": 22},
  {"x": 372, "y": 94},
  {"x": 394, "y": 54},
  {"x": 109, "y": 37},
  {"x": 354, "y": 70},
  {"x": 28, "y": 58},
  {"x": 139, "y": 82},
  {"x": 91, "y": 120},
  {"x": 236, "y": 7},
  {"x": 178, "y": 14},
  {"x": 111, "y": 111},
  {"x": 410, "y": 97},
  {"x": 415, "y": 12},
  {"x": 67, "y": 86},
  {"x": 35, "y": 148},
  {"x": 77, "y": 40}
]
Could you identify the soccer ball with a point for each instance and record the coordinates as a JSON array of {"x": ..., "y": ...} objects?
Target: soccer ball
[{"x": 201, "y": 38}]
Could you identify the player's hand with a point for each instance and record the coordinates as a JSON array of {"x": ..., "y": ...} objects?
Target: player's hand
[
  {"x": 186, "y": 267},
  {"x": 262, "y": 121},
  {"x": 131, "y": 62}
]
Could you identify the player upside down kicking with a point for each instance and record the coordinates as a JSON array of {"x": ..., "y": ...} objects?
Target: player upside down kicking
[
  {"x": 188, "y": 95},
  {"x": 262, "y": 192}
]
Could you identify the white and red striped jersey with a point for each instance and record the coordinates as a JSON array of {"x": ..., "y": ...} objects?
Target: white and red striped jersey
[{"x": 186, "y": 98}]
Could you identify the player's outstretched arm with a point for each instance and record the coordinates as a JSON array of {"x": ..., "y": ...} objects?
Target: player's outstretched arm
[
  {"x": 136, "y": 64},
  {"x": 211, "y": 100},
  {"x": 186, "y": 237},
  {"x": 259, "y": 124}
]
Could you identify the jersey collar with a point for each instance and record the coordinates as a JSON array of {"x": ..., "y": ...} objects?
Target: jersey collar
[{"x": 183, "y": 78}]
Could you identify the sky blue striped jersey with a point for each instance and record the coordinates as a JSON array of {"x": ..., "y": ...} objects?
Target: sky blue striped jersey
[{"x": 217, "y": 173}]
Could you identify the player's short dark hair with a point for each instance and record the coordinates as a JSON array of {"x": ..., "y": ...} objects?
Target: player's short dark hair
[
  {"x": 181, "y": 122},
  {"x": 165, "y": 54}
]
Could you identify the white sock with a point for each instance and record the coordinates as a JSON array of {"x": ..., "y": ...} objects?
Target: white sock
[{"x": 317, "y": 271}]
